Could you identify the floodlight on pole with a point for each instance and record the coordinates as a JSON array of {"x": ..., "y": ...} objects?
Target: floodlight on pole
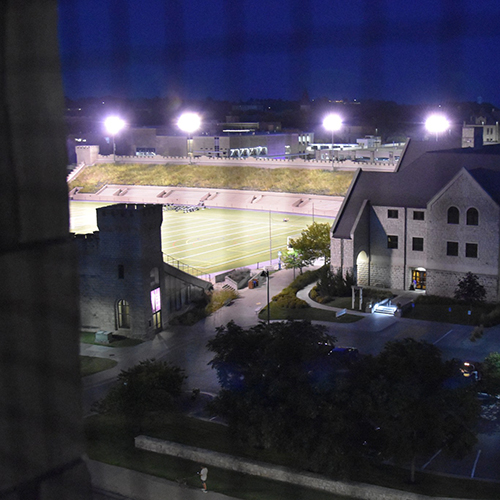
[
  {"x": 332, "y": 123},
  {"x": 437, "y": 124},
  {"x": 189, "y": 123},
  {"x": 114, "y": 125}
]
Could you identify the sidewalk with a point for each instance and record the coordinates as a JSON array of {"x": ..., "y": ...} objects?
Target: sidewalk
[{"x": 138, "y": 486}]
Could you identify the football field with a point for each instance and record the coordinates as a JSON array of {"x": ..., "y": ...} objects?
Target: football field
[{"x": 213, "y": 240}]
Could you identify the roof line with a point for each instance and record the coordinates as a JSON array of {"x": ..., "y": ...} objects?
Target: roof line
[{"x": 346, "y": 198}]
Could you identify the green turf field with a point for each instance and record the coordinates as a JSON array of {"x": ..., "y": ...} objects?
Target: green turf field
[{"x": 213, "y": 240}]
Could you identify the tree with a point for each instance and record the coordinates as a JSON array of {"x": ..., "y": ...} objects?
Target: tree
[
  {"x": 314, "y": 242},
  {"x": 491, "y": 373},
  {"x": 150, "y": 386},
  {"x": 294, "y": 260},
  {"x": 334, "y": 284},
  {"x": 278, "y": 391},
  {"x": 406, "y": 396},
  {"x": 469, "y": 289}
]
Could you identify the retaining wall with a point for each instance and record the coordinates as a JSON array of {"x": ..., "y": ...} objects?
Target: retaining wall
[{"x": 274, "y": 472}]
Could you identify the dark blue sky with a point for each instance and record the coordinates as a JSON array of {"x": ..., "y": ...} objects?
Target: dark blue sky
[{"x": 409, "y": 51}]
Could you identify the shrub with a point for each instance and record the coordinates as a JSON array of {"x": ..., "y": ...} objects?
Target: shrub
[
  {"x": 492, "y": 318},
  {"x": 150, "y": 386},
  {"x": 477, "y": 333}
]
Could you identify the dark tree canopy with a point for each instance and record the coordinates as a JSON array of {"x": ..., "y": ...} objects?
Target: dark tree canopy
[
  {"x": 150, "y": 386},
  {"x": 406, "y": 395},
  {"x": 490, "y": 382},
  {"x": 278, "y": 390},
  {"x": 469, "y": 289},
  {"x": 283, "y": 388}
]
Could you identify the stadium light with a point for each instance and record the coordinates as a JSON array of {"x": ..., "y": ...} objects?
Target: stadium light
[
  {"x": 189, "y": 123},
  {"x": 114, "y": 125},
  {"x": 437, "y": 124},
  {"x": 332, "y": 123}
]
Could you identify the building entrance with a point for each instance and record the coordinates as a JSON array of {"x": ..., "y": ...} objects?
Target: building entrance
[{"x": 418, "y": 279}]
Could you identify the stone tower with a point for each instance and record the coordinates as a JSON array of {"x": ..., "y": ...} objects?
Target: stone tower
[{"x": 122, "y": 271}]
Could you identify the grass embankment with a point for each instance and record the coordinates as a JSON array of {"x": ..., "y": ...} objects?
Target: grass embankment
[
  {"x": 323, "y": 182},
  {"x": 111, "y": 440},
  {"x": 90, "y": 365}
]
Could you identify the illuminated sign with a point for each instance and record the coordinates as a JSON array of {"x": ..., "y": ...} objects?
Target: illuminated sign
[{"x": 156, "y": 300}]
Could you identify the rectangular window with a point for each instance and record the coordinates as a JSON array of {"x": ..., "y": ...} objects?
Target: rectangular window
[
  {"x": 418, "y": 215},
  {"x": 121, "y": 272},
  {"x": 392, "y": 214},
  {"x": 452, "y": 248},
  {"x": 471, "y": 250},
  {"x": 418, "y": 244},
  {"x": 392, "y": 241},
  {"x": 156, "y": 300}
]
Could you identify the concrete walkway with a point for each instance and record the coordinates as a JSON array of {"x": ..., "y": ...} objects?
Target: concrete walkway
[{"x": 138, "y": 486}]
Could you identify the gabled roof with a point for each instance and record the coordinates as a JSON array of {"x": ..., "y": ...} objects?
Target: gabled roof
[{"x": 417, "y": 180}]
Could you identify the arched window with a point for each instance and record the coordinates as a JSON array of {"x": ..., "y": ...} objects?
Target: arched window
[
  {"x": 472, "y": 217},
  {"x": 453, "y": 215},
  {"x": 123, "y": 314}
]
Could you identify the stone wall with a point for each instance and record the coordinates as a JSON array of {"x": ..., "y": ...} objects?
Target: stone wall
[{"x": 273, "y": 472}]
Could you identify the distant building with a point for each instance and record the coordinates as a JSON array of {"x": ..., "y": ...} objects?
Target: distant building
[
  {"x": 426, "y": 224},
  {"x": 125, "y": 285},
  {"x": 232, "y": 142},
  {"x": 480, "y": 134}
]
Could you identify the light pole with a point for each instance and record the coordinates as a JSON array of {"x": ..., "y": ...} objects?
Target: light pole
[
  {"x": 437, "y": 124},
  {"x": 189, "y": 123},
  {"x": 332, "y": 123},
  {"x": 114, "y": 124}
]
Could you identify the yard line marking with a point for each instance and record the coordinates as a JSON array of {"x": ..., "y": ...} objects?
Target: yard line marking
[
  {"x": 434, "y": 343},
  {"x": 475, "y": 463},
  {"x": 431, "y": 459}
]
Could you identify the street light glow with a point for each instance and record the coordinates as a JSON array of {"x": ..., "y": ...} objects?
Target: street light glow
[
  {"x": 332, "y": 123},
  {"x": 189, "y": 122},
  {"x": 437, "y": 124},
  {"x": 114, "y": 124}
]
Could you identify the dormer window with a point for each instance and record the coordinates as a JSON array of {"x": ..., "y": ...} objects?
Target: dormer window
[
  {"x": 472, "y": 217},
  {"x": 453, "y": 215}
]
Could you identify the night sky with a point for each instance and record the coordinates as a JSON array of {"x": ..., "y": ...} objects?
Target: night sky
[{"x": 408, "y": 51}]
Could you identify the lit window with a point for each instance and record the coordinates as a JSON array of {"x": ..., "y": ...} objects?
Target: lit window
[
  {"x": 392, "y": 214},
  {"x": 452, "y": 248},
  {"x": 471, "y": 250},
  {"x": 472, "y": 217},
  {"x": 453, "y": 215},
  {"x": 418, "y": 215},
  {"x": 392, "y": 241},
  {"x": 418, "y": 244},
  {"x": 123, "y": 314},
  {"x": 155, "y": 300}
]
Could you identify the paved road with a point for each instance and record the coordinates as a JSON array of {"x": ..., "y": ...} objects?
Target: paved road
[{"x": 185, "y": 346}]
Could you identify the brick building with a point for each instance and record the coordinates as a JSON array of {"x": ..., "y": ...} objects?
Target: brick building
[
  {"x": 125, "y": 286},
  {"x": 426, "y": 224}
]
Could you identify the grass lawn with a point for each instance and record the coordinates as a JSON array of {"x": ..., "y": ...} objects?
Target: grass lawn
[
  {"x": 110, "y": 440},
  {"x": 118, "y": 340},
  {"x": 213, "y": 240},
  {"x": 90, "y": 365},
  {"x": 449, "y": 313},
  {"x": 286, "y": 180},
  {"x": 307, "y": 313}
]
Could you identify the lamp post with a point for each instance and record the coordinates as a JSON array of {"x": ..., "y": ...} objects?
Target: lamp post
[
  {"x": 114, "y": 124},
  {"x": 437, "y": 124},
  {"x": 332, "y": 123},
  {"x": 189, "y": 123}
]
